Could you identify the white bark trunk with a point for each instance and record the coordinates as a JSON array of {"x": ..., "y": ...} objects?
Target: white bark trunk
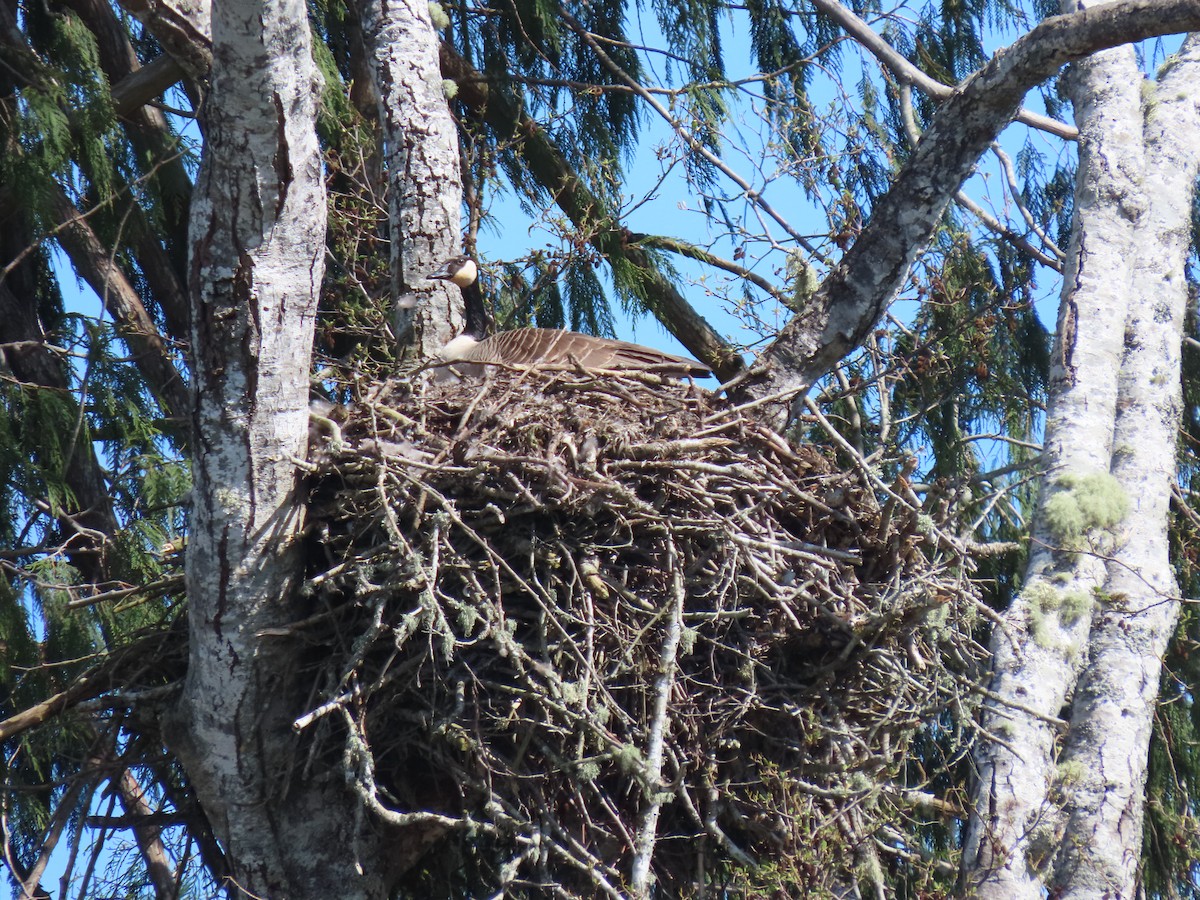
[
  {"x": 1074, "y": 823},
  {"x": 1106, "y": 749},
  {"x": 422, "y": 164},
  {"x": 257, "y": 251},
  {"x": 1016, "y": 822}
]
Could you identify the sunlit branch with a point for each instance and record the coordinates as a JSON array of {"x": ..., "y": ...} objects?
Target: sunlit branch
[
  {"x": 906, "y": 72},
  {"x": 962, "y": 199}
]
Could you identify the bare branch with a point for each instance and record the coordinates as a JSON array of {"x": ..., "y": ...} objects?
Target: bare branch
[
  {"x": 858, "y": 290},
  {"x": 908, "y": 73}
]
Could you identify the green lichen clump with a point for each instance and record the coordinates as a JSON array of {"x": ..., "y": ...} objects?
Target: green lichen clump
[
  {"x": 1075, "y": 605},
  {"x": 437, "y": 14},
  {"x": 1045, "y": 601},
  {"x": 1070, "y": 772},
  {"x": 1085, "y": 504}
]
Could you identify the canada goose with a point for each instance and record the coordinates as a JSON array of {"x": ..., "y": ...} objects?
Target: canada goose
[{"x": 529, "y": 347}]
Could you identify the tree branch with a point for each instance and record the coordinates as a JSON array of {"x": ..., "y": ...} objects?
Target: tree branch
[
  {"x": 691, "y": 251},
  {"x": 142, "y": 85},
  {"x": 147, "y": 833},
  {"x": 908, "y": 73},
  {"x": 990, "y": 222},
  {"x": 854, "y": 296},
  {"x": 97, "y": 267},
  {"x": 35, "y": 364},
  {"x": 184, "y": 30},
  {"x": 152, "y": 138}
]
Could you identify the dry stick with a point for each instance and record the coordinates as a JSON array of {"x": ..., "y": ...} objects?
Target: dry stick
[
  {"x": 709, "y": 821},
  {"x": 545, "y": 600},
  {"x": 1053, "y": 721},
  {"x": 1014, "y": 191},
  {"x": 860, "y": 463},
  {"x": 162, "y": 586},
  {"x": 360, "y": 773},
  {"x": 581, "y": 858},
  {"x": 502, "y": 564},
  {"x": 558, "y": 715},
  {"x": 909, "y": 503},
  {"x": 664, "y": 682},
  {"x": 881, "y": 390},
  {"x": 361, "y": 645}
]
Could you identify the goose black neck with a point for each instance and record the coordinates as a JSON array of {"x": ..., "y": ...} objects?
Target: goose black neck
[{"x": 478, "y": 322}]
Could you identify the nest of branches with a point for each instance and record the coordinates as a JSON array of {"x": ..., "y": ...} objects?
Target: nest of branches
[{"x": 596, "y": 633}]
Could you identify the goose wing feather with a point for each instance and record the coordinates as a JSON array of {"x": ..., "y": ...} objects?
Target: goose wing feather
[{"x": 550, "y": 347}]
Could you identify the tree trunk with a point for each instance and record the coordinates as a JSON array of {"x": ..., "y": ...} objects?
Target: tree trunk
[
  {"x": 258, "y": 240},
  {"x": 1105, "y": 754},
  {"x": 1075, "y": 819},
  {"x": 1036, "y": 655},
  {"x": 424, "y": 180}
]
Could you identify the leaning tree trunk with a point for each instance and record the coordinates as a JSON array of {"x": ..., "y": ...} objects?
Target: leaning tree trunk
[
  {"x": 852, "y": 299},
  {"x": 257, "y": 250},
  {"x": 1075, "y": 821}
]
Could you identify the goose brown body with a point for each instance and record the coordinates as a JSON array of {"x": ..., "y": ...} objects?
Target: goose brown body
[
  {"x": 530, "y": 347},
  {"x": 546, "y": 347}
]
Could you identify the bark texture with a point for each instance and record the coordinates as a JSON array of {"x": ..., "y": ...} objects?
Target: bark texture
[
  {"x": 1014, "y": 826},
  {"x": 1105, "y": 753},
  {"x": 422, "y": 165},
  {"x": 257, "y": 250},
  {"x": 1072, "y": 821}
]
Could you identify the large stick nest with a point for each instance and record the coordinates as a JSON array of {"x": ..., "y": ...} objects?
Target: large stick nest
[{"x": 575, "y": 628}]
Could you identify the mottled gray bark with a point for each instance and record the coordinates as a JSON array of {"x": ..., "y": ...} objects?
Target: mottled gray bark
[
  {"x": 1070, "y": 820},
  {"x": 1105, "y": 754},
  {"x": 257, "y": 251},
  {"x": 422, "y": 164},
  {"x": 1015, "y": 824}
]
